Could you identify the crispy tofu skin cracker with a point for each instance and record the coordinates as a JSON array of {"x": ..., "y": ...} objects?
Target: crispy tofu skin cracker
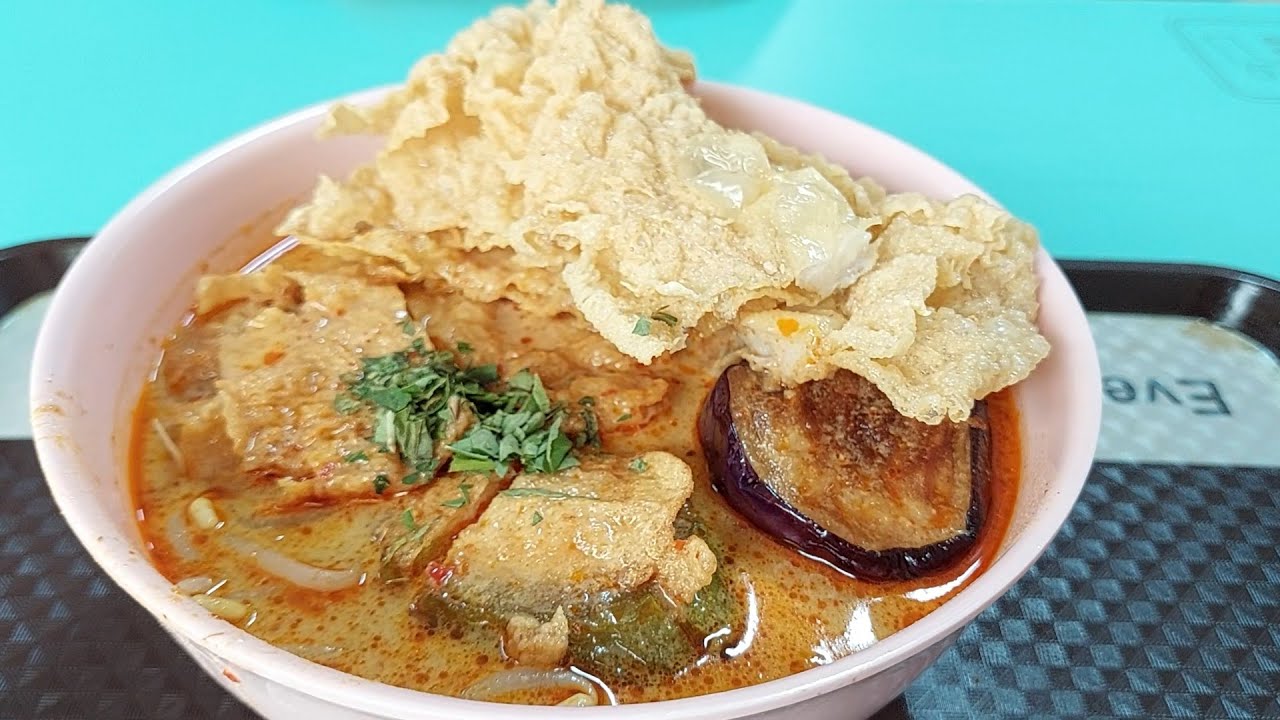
[
  {"x": 945, "y": 317},
  {"x": 557, "y": 152}
]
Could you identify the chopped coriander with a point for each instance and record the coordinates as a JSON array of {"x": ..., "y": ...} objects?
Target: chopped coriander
[
  {"x": 524, "y": 427},
  {"x": 623, "y": 417},
  {"x": 590, "y": 423},
  {"x": 407, "y": 520},
  {"x": 537, "y": 518},
  {"x": 464, "y": 497},
  {"x": 411, "y": 478},
  {"x": 465, "y": 347},
  {"x": 381, "y": 483},
  {"x": 523, "y": 492},
  {"x": 639, "y": 465},
  {"x": 408, "y": 328},
  {"x": 354, "y": 457},
  {"x": 384, "y": 431},
  {"x": 465, "y": 464},
  {"x": 410, "y": 539},
  {"x": 345, "y": 404},
  {"x": 642, "y": 326},
  {"x": 666, "y": 317},
  {"x": 483, "y": 374},
  {"x": 417, "y": 395},
  {"x": 391, "y": 399}
]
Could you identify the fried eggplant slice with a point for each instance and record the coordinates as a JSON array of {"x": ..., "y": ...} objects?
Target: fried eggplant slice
[{"x": 832, "y": 470}]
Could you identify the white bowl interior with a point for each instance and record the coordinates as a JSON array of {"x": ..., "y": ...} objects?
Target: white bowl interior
[{"x": 131, "y": 286}]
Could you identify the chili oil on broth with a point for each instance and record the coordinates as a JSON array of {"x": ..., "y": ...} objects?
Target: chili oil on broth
[{"x": 800, "y": 613}]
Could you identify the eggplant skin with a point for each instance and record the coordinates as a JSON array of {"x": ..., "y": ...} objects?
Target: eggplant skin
[{"x": 734, "y": 477}]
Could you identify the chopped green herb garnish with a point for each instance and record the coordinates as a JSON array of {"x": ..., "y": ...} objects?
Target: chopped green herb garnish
[
  {"x": 407, "y": 520},
  {"x": 408, "y": 328},
  {"x": 345, "y": 404},
  {"x": 644, "y": 325},
  {"x": 623, "y": 417},
  {"x": 411, "y": 478},
  {"x": 409, "y": 540},
  {"x": 354, "y": 457},
  {"x": 639, "y": 465},
  {"x": 384, "y": 431},
  {"x": 465, "y": 347},
  {"x": 522, "y": 492},
  {"x": 665, "y": 317},
  {"x": 464, "y": 497},
  {"x": 463, "y": 464},
  {"x": 381, "y": 483},
  {"x": 590, "y": 423},
  {"x": 537, "y": 518},
  {"x": 416, "y": 397},
  {"x": 523, "y": 426}
]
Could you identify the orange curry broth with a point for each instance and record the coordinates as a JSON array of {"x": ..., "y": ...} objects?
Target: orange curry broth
[{"x": 808, "y": 613}]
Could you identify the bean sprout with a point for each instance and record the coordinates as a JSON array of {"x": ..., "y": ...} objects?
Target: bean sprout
[{"x": 166, "y": 440}]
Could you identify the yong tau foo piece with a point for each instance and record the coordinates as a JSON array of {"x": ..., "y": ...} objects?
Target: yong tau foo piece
[
  {"x": 605, "y": 526},
  {"x": 581, "y": 537},
  {"x": 571, "y": 395}
]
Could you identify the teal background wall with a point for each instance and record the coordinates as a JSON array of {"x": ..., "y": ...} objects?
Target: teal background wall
[{"x": 1130, "y": 130}]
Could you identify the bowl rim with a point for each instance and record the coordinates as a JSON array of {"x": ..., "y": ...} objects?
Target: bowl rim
[{"x": 134, "y": 573}]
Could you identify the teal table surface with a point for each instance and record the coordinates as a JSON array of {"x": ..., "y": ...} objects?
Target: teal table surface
[{"x": 1126, "y": 130}]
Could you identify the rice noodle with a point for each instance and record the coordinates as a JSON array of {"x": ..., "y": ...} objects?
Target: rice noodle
[
  {"x": 175, "y": 531},
  {"x": 296, "y": 571},
  {"x": 166, "y": 440},
  {"x": 194, "y": 585},
  {"x": 517, "y": 679},
  {"x": 578, "y": 700}
]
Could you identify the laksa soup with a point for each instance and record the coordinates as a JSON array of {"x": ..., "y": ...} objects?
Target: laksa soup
[{"x": 571, "y": 395}]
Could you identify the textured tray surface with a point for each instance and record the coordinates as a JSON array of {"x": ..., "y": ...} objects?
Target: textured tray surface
[
  {"x": 72, "y": 644},
  {"x": 1151, "y": 603}
]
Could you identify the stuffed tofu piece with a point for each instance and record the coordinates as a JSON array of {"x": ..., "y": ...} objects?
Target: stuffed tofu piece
[
  {"x": 579, "y": 541},
  {"x": 606, "y": 526}
]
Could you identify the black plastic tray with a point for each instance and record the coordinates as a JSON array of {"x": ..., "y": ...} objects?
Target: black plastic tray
[
  {"x": 28, "y": 270},
  {"x": 1233, "y": 299},
  {"x": 1158, "y": 599}
]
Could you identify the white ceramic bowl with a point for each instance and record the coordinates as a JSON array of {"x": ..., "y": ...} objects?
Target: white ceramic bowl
[{"x": 133, "y": 283}]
